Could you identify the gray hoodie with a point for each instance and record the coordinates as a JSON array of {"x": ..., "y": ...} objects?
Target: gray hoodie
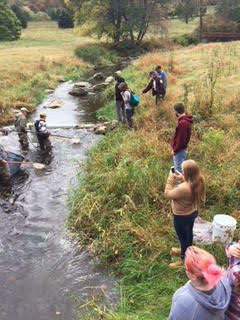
[{"x": 191, "y": 304}]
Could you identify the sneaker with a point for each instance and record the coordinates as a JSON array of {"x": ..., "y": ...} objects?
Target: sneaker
[
  {"x": 175, "y": 251},
  {"x": 176, "y": 264}
]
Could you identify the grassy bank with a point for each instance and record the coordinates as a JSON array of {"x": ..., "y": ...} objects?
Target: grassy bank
[
  {"x": 119, "y": 209},
  {"x": 32, "y": 64}
]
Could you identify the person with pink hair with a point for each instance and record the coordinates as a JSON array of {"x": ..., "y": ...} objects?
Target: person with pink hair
[{"x": 206, "y": 295}]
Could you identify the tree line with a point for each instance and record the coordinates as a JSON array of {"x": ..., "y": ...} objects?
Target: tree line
[{"x": 116, "y": 20}]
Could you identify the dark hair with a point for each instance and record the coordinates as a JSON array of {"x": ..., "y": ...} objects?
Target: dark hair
[
  {"x": 122, "y": 86},
  {"x": 158, "y": 67},
  {"x": 151, "y": 73},
  {"x": 179, "y": 108}
]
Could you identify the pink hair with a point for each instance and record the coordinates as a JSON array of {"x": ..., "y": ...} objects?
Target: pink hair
[{"x": 203, "y": 265}]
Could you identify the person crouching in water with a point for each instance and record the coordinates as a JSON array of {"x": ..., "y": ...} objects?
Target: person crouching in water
[
  {"x": 21, "y": 127},
  {"x": 185, "y": 198},
  {"x": 207, "y": 294},
  {"x": 126, "y": 96},
  {"x": 4, "y": 168},
  {"x": 43, "y": 133},
  {"x": 156, "y": 84}
]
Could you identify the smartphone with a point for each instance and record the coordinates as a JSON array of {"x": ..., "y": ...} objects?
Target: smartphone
[{"x": 172, "y": 170}]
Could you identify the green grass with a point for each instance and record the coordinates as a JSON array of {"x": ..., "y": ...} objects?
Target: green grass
[
  {"x": 33, "y": 64},
  {"x": 118, "y": 208}
]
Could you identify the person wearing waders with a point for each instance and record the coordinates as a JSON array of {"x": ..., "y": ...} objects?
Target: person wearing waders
[
  {"x": 119, "y": 103},
  {"x": 42, "y": 133},
  {"x": 181, "y": 137},
  {"x": 4, "y": 168},
  {"x": 21, "y": 127}
]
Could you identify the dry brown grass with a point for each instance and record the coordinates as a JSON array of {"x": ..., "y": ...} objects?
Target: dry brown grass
[{"x": 43, "y": 53}]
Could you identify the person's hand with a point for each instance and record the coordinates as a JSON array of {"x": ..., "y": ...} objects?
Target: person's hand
[
  {"x": 179, "y": 176},
  {"x": 4, "y": 162},
  {"x": 234, "y": 250},
  {"x": 172, "y": 152}
]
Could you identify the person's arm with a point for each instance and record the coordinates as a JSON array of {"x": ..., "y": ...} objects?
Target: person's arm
[
  {"x": 233, "y": 250},
  {"x": 149, "y": 87},
  {"x": 122, "y": 94},
  {"x": 171, "y": 191}
]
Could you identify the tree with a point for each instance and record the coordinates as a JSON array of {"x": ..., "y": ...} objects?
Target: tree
[
  {"x": 10, "y": 27},
  {"x": 230, "y": 9},
  {"x": 187, "y": 9},
  {"x": 21, "y": 15},
  {"x": 64, "y": 19},
  {"x": 118, "y": 20}
]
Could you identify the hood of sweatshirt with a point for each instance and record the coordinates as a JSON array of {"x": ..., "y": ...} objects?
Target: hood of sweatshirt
[
  {"x": 186, "y": 118},
  {"x": 218, "y": 300}
]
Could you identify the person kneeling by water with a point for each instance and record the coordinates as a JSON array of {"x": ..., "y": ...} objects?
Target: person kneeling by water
[
  {"x": 4, "y": 168},
  {"x": 42, "y": 132}
]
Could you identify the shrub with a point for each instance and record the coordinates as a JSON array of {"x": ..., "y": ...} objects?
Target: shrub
[
  {"x": 185, "y": 39},
  {"x": 65, "y": 19},
  {"x": 10, "y": 27},
  {"x": 53, "y": 14},
  {"x": 21, "y": 15},
  {"x": 96, "y": 55}
]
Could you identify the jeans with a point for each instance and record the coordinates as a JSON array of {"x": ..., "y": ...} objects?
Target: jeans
[
  {"x": 129, "y": 114},
  {"x": 184, "y": 229},
  {"x": 120, "y": 110},
  {"x": 178, "y": 159}
]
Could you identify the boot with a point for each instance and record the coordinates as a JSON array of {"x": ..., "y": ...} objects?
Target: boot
[
  {"x": 175, "y": 251},
  {"x": 176, "y": 264}
]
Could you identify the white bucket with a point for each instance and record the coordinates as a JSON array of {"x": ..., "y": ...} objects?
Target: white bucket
[{"x": 223, "y": 228}]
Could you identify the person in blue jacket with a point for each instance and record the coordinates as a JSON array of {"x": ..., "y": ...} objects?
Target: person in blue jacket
[
  {"x": 4, "y": 168},
  {"x": 162, "y": 75}
]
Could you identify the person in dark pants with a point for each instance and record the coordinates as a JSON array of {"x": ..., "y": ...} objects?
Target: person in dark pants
[
  {"x": 184, "y": 197},
  {"x": 126, "y": 96},
  {"x": 42, "y": 133},
  {"x": 119, "y": 103},
  {"x": 179, "y": 142},
  {"x": 162, "y": 76},
  {"x": 156, "y": 84}
]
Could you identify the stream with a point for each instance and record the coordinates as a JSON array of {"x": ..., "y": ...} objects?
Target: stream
[{"x": 44, "y": 275}]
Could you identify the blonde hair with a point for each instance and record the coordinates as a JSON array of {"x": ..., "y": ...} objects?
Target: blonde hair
[
  {"x": 193, "y": 176},
  {"x": 203, "y": 266}
]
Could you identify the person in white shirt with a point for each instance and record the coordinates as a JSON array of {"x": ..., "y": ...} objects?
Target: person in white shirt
[{"x": 126, "y": 95}]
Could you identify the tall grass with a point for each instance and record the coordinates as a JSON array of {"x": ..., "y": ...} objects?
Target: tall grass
[{"x": 119, "y": 209}]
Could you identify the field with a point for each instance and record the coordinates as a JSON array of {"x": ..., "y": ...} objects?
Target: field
[
  {"x": 119, "y": 209},
  {"x": 32, "y": 64}
]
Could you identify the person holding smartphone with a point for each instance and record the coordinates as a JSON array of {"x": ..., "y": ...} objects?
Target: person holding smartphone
[{"x": 185, "y": 198}]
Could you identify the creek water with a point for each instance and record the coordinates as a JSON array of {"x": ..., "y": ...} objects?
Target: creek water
[{"x": 43, "y": 273}]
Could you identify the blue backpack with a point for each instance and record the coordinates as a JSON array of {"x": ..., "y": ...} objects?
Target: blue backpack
[{"x": 134, "y": 100}]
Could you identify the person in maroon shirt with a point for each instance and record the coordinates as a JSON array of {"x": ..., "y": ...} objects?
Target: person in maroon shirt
[{"x": 181, "y": 137}]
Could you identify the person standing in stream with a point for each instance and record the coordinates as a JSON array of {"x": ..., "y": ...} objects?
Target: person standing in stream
[
  {"x": 21, "y": 127},
  {"x": 181, "y": 137},
  {"x": 4, "y": 168},
  {"x": 119, "y": 103},
  {"x": 42, "y": 132}
]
